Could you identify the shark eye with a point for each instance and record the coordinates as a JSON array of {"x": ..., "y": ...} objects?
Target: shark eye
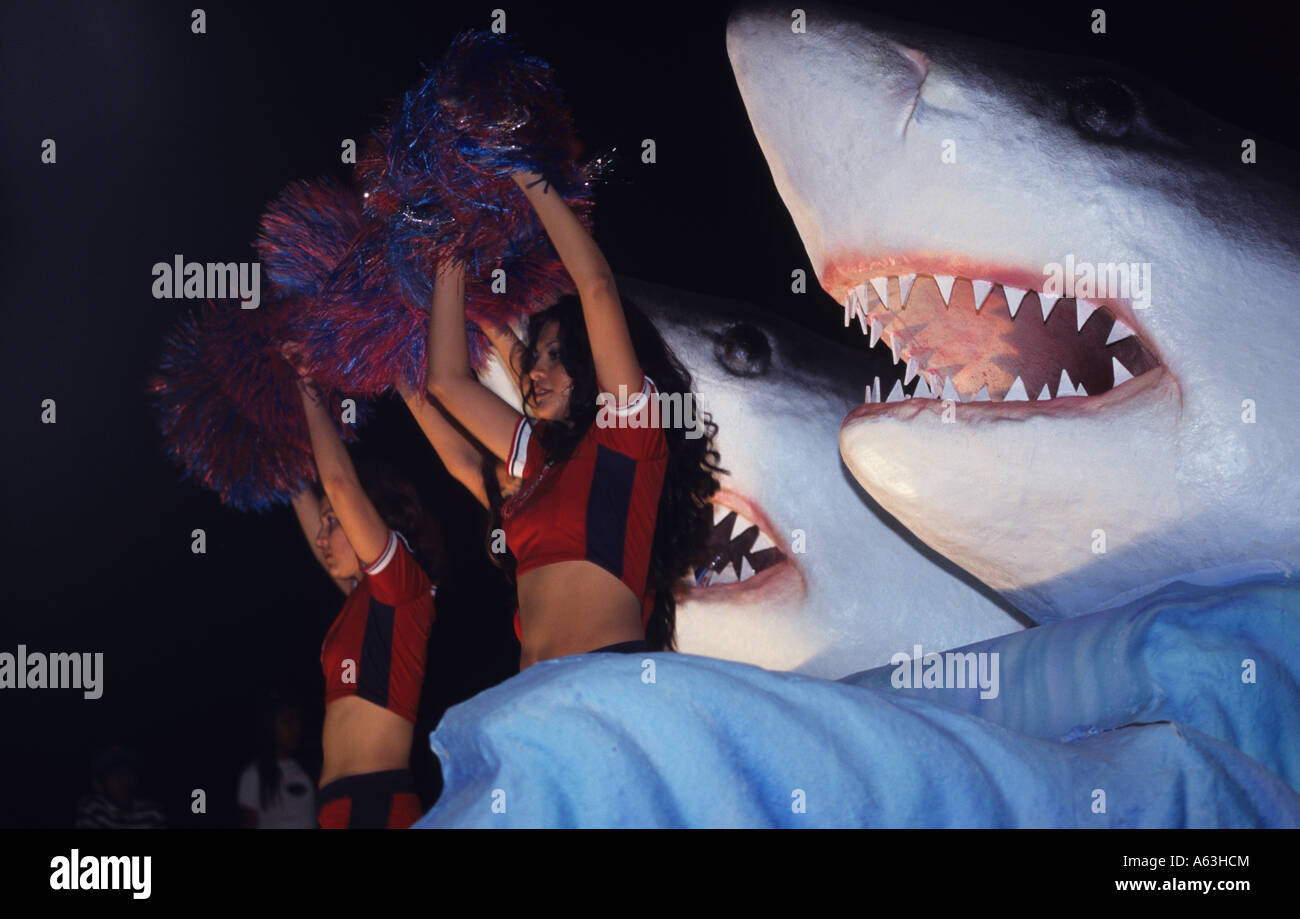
[
  {"x": 1101, "y": 107},
  {"x": 743, "y": 350}
]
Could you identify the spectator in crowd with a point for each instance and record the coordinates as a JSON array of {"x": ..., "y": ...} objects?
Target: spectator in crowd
[
  {"x": 112, "y": 802},
  {"x": 275, "y": 792}
]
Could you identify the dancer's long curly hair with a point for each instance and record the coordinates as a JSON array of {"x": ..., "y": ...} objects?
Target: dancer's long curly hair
[{"x": 685, "y": 513}]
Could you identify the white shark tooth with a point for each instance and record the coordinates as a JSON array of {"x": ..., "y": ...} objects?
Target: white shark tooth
[
  {"x": 726, "y": 576},
  {"x": 1014, "y": 295},
  {"x": 876, "y": 330},
  {"x": 855, "y": 305},
  {"x": 893, "y": 345},
  {"x": 981, "y": 289},
  {"x": 1047, "y": 301},
  {"x": 867, "y": 398},
  {"x": 922, "y": 391},
  {"x": 1121, "y": 372},
  {"x": 1080, "y": 391},
  {"x": 1044, "y": 393},
  {"x": 882, "y": 289},
  {"x": 911, "y": 371},
  {"x": 904, "y": 288},
  {"x": 896, "y": 394},
  {"x": 746, "y": 569},
  {"x": 945, "y": 286},
  {"x": 1017, "y": 392},
  {"x": 982, "y": 395},
  {"x": 762, "y": 542},
  {"x": 1117, "y": 331},
  {"x": 1082, "y": 310},
  {"x": 950, "y": 391},
  {"x": 875, "y": 390},
  {"x": 1067, "y": 387},
  {"x": 934, "y": 382}
]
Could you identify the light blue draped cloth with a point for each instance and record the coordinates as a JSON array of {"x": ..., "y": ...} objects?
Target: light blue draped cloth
[{"x": 1137, "y": 716}]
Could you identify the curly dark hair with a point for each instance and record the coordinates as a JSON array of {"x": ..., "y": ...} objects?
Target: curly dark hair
[{"x": 685, "y": 513}]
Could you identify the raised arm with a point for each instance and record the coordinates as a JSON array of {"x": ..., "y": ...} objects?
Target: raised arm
[
  {"x": 361, "y": 523},
  {"x": 457, "y": 453},
  {"x": 611, "y": 345},
  {"x": 481, "y": 411}
]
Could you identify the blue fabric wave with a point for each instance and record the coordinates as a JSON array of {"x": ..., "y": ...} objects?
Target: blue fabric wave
[{"x": 1141, "y": 709}]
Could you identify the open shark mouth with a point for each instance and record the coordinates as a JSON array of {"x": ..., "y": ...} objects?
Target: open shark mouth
[
  {"x": 979, "y": 341},
  {"x": 742, "y": 553}
]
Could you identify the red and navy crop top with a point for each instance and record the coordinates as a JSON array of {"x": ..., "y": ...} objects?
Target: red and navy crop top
[
  {"x": 377, "y": 647},
  {"x": 599, "y": 505}
]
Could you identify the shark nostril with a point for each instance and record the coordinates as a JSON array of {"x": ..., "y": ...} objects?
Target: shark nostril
[
  {"x": 1102, "y": 107},
  {"x": 743, "y": 350}
]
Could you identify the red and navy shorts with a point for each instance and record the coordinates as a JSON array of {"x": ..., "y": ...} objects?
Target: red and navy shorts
[{"x": 370, "y": 801}]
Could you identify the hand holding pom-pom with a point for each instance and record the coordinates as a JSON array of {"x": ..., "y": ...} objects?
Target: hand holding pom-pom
[{"x": 293, "y": 353}]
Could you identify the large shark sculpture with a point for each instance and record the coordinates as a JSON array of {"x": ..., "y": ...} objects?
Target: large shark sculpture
[
  {"x": 1117, "y": 464},
  {"x": 1075, "y": 450}
]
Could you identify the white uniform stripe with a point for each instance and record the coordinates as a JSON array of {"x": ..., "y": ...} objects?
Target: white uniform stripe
[
  {"x": 389, "y": 551},
  {"x": 519, "y": 448},
  {"x": 636, "y": 402}
]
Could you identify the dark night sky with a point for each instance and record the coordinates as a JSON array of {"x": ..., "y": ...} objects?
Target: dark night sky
[{"x": 172, "y": 143}]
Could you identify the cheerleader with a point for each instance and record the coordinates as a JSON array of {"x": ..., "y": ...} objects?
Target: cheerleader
[
  {"x": 614, "y": 502},
  {"x": 373, "y": 539}
]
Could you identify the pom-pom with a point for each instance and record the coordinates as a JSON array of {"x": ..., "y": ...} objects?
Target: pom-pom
[
  {"x": 504, "y": 108},
  {"x": 229, "y": 408},
  {"x": 366, "y": 334},
  {"x": 305, "y": 232},
  {"x": 437, "y": 173}
]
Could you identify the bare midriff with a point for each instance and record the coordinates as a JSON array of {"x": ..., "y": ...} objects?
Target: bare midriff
[
  {"x": 574, "y": 607},
  {"x": 360, "y": 736}
]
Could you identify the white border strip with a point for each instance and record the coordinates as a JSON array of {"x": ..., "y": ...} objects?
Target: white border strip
[
  {"x": 635, "y": 404},
  {"x": 389, "y": 551},
  {"x": 519, "y": 448}
]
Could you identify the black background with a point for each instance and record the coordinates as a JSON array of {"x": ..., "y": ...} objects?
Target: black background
[{"x": 170, "y": 142}]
